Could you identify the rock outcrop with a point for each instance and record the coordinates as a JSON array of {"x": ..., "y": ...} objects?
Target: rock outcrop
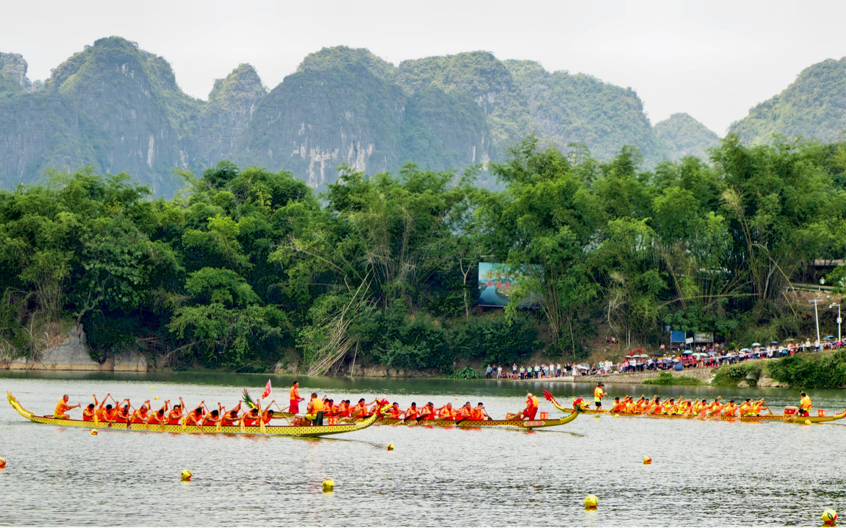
[{"x": 14, "y": 66}]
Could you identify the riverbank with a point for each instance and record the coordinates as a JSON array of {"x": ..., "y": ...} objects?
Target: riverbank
[{"x": 627, "y": 378}]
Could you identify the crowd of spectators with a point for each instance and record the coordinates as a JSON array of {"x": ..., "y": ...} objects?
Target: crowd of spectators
[{"x": 667, "y": 358}]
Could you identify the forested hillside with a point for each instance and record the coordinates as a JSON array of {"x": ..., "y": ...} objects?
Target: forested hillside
[
  {"x": 813, "y": 106},
  {"x": 118, "y": 108},
  {"x": 683, "y": 136},
  {"x": 251, "y": 267}
]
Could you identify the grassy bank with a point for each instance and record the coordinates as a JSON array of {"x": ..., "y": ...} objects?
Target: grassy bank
[{"x": 665, "y": 378}]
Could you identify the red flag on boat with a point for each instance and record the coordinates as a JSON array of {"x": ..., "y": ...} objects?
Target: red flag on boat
[{"x": 266, "y": 392}]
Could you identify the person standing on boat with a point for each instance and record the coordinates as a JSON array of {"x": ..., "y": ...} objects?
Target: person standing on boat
[
  {"x": 295, "y": 398},
  {"x": 62, "y": 407},
  {"x": 804, "y": 405},
  {"x": 531, "y": 407},
  {"x": 598, "y": 394}
]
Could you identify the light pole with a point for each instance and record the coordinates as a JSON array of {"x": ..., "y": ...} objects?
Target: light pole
[
  {"x": 839, "y": 320},
  {"x": 817, "y": 318}
]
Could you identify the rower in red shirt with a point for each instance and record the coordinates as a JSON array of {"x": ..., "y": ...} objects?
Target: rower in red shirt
[
  {"x": 195, "y": 417},
  {"x": 531, "y": 407},
  {"x": 344, "y": 409},
  {"x": 213, "y": 417},
  {"x": 249, "y": 419},
  {"x": 231, "y": 417},
  {"x": 175, "y": 415},
  {"x": 90, "y": 411},
  {"x": 140, "y": 416},
  {"x": 159, "y": 416}
]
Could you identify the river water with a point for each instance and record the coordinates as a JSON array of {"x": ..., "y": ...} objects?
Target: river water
[{"x": 704, "y": 473}]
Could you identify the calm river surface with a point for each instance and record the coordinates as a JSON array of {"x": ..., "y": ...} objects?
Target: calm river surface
[{"x": 703, "y": 474}]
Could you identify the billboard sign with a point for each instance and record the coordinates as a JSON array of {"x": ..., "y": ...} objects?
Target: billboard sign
[
  {"x": 677, "y": 337},
  {"x": 497, "y": 284},
  {"x": 703, "y": 337}
]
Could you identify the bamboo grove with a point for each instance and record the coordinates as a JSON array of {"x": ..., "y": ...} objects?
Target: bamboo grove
[{"x": 246, "y": 268}]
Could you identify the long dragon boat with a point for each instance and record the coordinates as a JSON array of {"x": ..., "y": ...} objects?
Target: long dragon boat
[
  {"x": 788, "y": 418},
  {"x": 272, "y": 430},
  {"x": 470, "y": 424}
]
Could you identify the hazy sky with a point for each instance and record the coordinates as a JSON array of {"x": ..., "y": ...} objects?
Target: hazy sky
[{"x": 713, "y": 60}]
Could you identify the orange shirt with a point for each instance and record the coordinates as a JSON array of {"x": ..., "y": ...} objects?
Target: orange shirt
[
  {"x": 193, "y": 418},
  {"x": 154, "y": 419},
  {"x": 295, "y": 393},
  {"x": 446, "y": 413},
  {"x": 249, "y": 419},
  {"x": 477, "y": 414},
  {"x": 228, "y": 419},
  {"x": 411, "y": 412},
  {"x": 61, "y": 407},
  {"x": 173, "y": 417}
]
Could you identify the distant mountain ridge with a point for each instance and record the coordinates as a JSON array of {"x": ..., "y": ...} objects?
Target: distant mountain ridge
[{"x": 119, "y": 109}]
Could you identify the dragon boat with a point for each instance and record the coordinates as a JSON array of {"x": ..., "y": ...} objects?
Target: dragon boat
[
  {"x": 470, "y": 424},
  {"x": 788, "y": 418},
  {"x": 271, "y": 430}
]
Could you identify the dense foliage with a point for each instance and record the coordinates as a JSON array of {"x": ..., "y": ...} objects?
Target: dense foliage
[{"x": 249, "y": 267}]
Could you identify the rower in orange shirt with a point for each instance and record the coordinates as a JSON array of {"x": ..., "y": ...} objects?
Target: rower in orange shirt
[
  {"x": 344, "y": 409},
  {"x": 104, "y": 411},
  {"x": 428, "y": 412},
  {"x": 531, "y": 407},
  {"x": 213, "y": 417},
  {"x": 618, "y": 406},
  {"x": 174, "y": 417},
  {"x": 140, "y": 416},
  {"x": 395, "y": 411},
  {"x": 121, "y": 414},
  {"x": 62, "y": 408},
  {"x": 479, "y": 413},
  {"x": 360, "y": 409},
  {"x": 412, "y": 412},
  {"x": 329, "y": 408},
  {"x": 195, "y": 417},
  {"x": 464, "y": 411},
  {"x": 446, "y": 412},
  {"x": 295, "y": 398}
]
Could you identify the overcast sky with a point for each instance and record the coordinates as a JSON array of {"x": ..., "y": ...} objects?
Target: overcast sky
[{"x": 713, "y": 60}]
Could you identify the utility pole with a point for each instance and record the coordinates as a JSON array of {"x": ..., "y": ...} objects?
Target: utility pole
[
  {"x": 839, "y": 321},
  {"x": 817, "y": 318}
]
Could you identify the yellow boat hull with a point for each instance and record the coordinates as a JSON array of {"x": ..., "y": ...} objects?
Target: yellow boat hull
[{"x": 272, "y": 430}]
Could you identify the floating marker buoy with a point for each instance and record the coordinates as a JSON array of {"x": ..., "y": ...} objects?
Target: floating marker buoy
[
  {"x": 151, "y": 388},
  {"x": 591, "y": 502},
  {"x": 157, "y": 397},
  {"x": 328, "y": 486},
  {"x": 647, "y": 460},
  {"x": 829, "y": 518},
  {"x": 186, "y": 475},
  {"x": 2, "y": 462},
  {"x": 93, "y": 432},
  {"x": 616, "y": 416},
  {"x": 390, "y": 447},
  {"x": 807, "y": 422}
]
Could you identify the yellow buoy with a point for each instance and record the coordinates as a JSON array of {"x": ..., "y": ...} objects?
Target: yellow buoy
[
  {"x": 591, "y": 502},
  {"x": 186, "y": 475},
  {"x": 390, "y": 447},
  {"x": 151, "y": 388},
  {"x": 2, "y": 462},
  {"x": 93, "y": 432},
  {"x": 647, "y": 460},
  {"x": 829, "y": 518},
  {"x": 157, "y": 397},
  {"x": 616, "y": 416},
  {"x": 328, "y": 486},
  {"x": 807, "y": 422}
]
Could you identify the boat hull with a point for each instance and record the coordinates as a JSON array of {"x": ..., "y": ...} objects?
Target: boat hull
[
  {"x": 472, "y": 424},
  {"x": 271, "y": 430}
]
